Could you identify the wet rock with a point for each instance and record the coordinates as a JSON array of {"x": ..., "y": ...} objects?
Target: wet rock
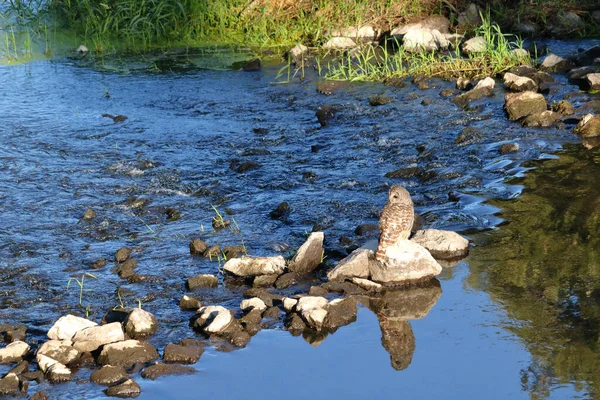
[
  {"x": 115, "y": 315},
  {"x": 405, "y": 263},
  {"x": 448, "y": 92},
  {"x": 251, "y": 321},
  {"x": 89, "y": 215},
  {"x": 422, "y": 39},
  {"x": 21, "y": 368},
  {"x": 9, "y": 385},
  {"x": 53, "y": 370},
  {"x": 313, "y": 310},
  {"x": 220, "y": 223},
  {"x": 508, "y": 148},
  {"x": 15, "y": 333},
  {"x": 519, "y": 105},
  {"x": 286, "y": 280},
  {"x": 542, "y": 119},
  {"x": 173, "y": 214},
  {"x": 254, "y": 303},
  {"x": 115, "y": 118},
  {"x": 66, "y": 327},
  {"x": 365, "y": 229},
  {"x": 593, "y": 81},
  {"x": 198, "y": 247},
  {"x": 463, "y": 83},
  {"x": 262, "y": 281},
  {"x": 289, "y": 304},
  {"x": 59, "y": 350},
  {"x": 246, "y": 166},
  {"x": 468, "y": 135},
  {"x": 325, "y": 114},
  {"x": 442, "y": 244},
  {"x": 282, "y": 211},
  {"x": 252, "y": 65},
  {"x": 39, "y": 396},
  {"x": 295, "y": 324},
  {"x": 589, "y": 126},
  {"x": 175, "y": 353},
  {"x": 90, "y": 339},
  {"x": 159, "y": 369},
  {"x": 482, "y": 89},
  {"x": 578, "y": 75},
  {"x": 317, "y": 291},
  {"x": 339, "y": 43},
  {"x": 37, "y": 376},
  {"x": 554, "y": 63},
  {"x": 519, "y": 83},
  {"x": 203, "y": 280},
  {"x": 213, "y": 319},
  {"x": 330, "y": 87},
  {"x": 474, "y": 45},
  {"x": 101, "y": 263},
  {"x": 357, "y": 264},
  {"x": 126, "y": 269},
  {"x": 253, "y": 266},
  {"x": 340, "y": 312},
  {"x": 564, "y": 107},
  {"x": 127, "y": 389},
  {"x": 109, "y": 375},
  {"x": 297, "y": 51},
  {"x": 233, "y": 251},
  {"x": 127, "y": 353},
  {"x": 367, "y": 284},
  {"x": 379, "y": 100},
  {"x": 426, "y": 102},
  {"x": 309, "y": 255},
  {"x": 565, "y": 23},
  {"x": 140, "y": 323},
  {"x": 347, "y": 288},
  {"x": 189, "y": 303},
  {"x": 14, "y": 352},
  {"x": 272, "y": 313},
  {"x": 122, "y": 254}
]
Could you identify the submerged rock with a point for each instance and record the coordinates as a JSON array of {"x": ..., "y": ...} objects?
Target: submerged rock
[
  {"x": 175, "y": 353},
  {"x": 379, "y": 100},
  {"x": 89, "y": 215},
  {"x": 468, "y": 135},
  {"x": 324, "y": 114},
  {"x": 127, "y": 389},
  {"x": 282, "y": 211},
  {"x": 66, "y": 327},
  {"x": 160, "y": 369},
  {"x": 508, "y": 148},
  {"x": 14, "y": 352},
  {"x": 127, "y": 353},
  {"x": 442, "y": 244},
  {"x": 405, "y": 263},
  {"x": 309, "y": 255},
  {"x": 519, "y": 105},
  {"x": 109, "y": 375},
  {"x": 253, "y": 266}
]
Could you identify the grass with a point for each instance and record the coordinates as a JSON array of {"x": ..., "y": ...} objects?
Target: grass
[{"x": 81, "y": 282}]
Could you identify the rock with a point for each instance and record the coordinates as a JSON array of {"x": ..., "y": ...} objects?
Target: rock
[
  {"x": 89, "y": 215},
  {"x": 126, "y": 269},
  {"x": 270, "y": 299},
  {"x": 253, "y": 266},
  {"x": 358, "y": 34},
  {"x": 251, "y": 322},
  {"x": 263, "y": 281},
  {"x": 36, "y": 375},
  {"x": 127, "y": 353},
  {"x": 525, "y": 28},
  {"x": 59, "y": 350},
  {"x": 508, "y": 148},
  {"x": 565, "y": 23},
  {"x": 519, "y": 105},
  {"x": 564, "y": 107},
  {"x": 364, "y": 229},
  {"x": 309, "y": 255},
  {"x": 578, "y": 75},
  {"x": 233, "y": 251},
  {"x": 379, "y": 100},
  {"x": 9, "y": 385},
  {"x": 437, "y": 22},
  {"x": 297, "y": 51},
  {"x": 295, "y": 324},
  {"x": 66, "y": 327},
  {"x": 159, "y": 369},
  {"x": 355, "y": 265},
  {"x": 175, "y": 353},
  {"x": 454, "y": 39},
  {"x": 198, "y": 247},
  {"x": 448, "y": 92},
  {"x": 311, "y": 303},
  {"x": 82, "y": 49},
  {"x": 189, "y": 303},
  {"x": 21, "y": 368},
  {"x": 519, "y": 83},
  {"x": 463, "y": 83},
  {"x": 470, "y": 18},
  {"x": 13, "y": 352},
  {"x": 213, "y": 319},
  {"x": 442, "y": 244},
  {"x": 254, "y": 303},
  {"x": 39, "y": 396},
  {"x": 589, "y": 126},
  {"x": 127, "y": 389},
  {"x": 252, "y": 65},
  {"x": 92, "y": 338},
  {"x": 272, "y": 313},
  {"x": 109, "y": 375},
  {"x": 483, "y": 88},
  {"x": 212, "y": 251},
  {"x": 468, "y": 135},
  {"x": 286, "y": 280},
  {"x": 140, "y": 323},
  {"x": 122, "y": 254},
  {"x": 53, "y": 370},
  {"x": 101, "y": 263},
  {"x": 15, "y": 333},
  {"x": 324, "y": 114},
  {"x": 338, "y": 43},
  {"x": 246, "y": 166},
  {"x": 281, "y": 212},
  {"x": 367, "y": 284},
  {"x": 204, "y": 280},
  {"x": 317, "y": 291},
  {"x": 405, "y": 263},
  {"x": 220, "y": 223},
  {"x": 313, "y": 310},
  {"x": 554, "y": 63},
  {"x": 289, "y": 304},
  {"x": 593, "y": 81},
  {"x": 424, "y": 40},
  {"x": 173, "y": 214},
  {"x": 542, "y": 119},
  {"x": 474, "y": 45},
  {"x": 340, "y": 312}
]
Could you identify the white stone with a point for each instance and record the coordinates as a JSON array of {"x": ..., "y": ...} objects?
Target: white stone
[
  {"x": 253, "y": 304},
  {"x": 361, "y": 34},
  {"x": 428, "y": 40},
  {"x": 442, "y": 244},
  {"x": 309, "y": 255},
  {"x": 91, "y": 338},
  {"x": 54, "y": 371},
  {"x": 289, "y": 304},
  {"x": 519, "y": 53},
  {"x": 366, "y": 284},
  {"x": 59, "y": 350},
  {"x": 140, "y": 323},
  {"x": 253, "y": 266},
  {"x": 439, "y": 23},
  {"x": 218, "y": 316},
  {"x": 67, "y": 326},
  {"x": 314, "y": 317},
  {"x": 339, "y": 43},
  {"x": 593, "y": 80},
  {"x": 14, "y": 352},
  {"x": 403, "y": 263},
  {"x": 474, "y": 45},
  {"x": 82, "y": 49},
  {"x": 310, "y": 303},
  {"x": 486, "y": 83},
  {"x": 519, "y": 83},
  {"x": 298, "y": 50},
  {"x": 555, "y": 63},
  {"x": 355, "y": 265}
]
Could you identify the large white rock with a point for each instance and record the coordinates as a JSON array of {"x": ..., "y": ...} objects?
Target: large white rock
[
  {"x": 442, "y": 244},
  {"x": 140, "y": 323},
  {"x": 309, "y": 255},
  {"x": 254, "y": 266},
  {"x": 289, "y": 304},
  {"x": 13, "y": 352},
  {"x": 355, "y": 265},
  {"x": 427, "y": 40},
  {"x": 59, "y": 350},
  {"x": 313, "y": 309},
  {"x": 67, "y": 326},
  {"x": 593, "y": 81},
  {"x": 404, "y": 263},
  {"x": 54, "y": 371},
  {"x": 310, "y": 303},
  {"x": 253, "y": 304},
  {"x": 486, "y": 83},
  {"x": 218, "y": 318},
  {"x": 442, "y": 24},
  {"x": 315, "y": 317},
  {"x": 91, "y": 338},
  {"x": 338, "y": 43},
  {"x": 519, "y": 83}
]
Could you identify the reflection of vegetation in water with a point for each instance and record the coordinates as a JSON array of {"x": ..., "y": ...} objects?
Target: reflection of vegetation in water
[{"x": 543, "y": 264}]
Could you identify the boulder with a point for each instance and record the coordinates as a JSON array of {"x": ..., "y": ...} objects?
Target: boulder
[
  {"x": 519, "y": 83},
  {"x": 593, "y": 81},
  {"x": 437, "y": 22},
  {"x": 564, "y": 107},
  {"x": 159, "y": 369},
  {"x": 554, "y": 63},
  {"x": 122, "y": 254},
  {"x": 470, "y": 18},
  {"x": 313, "y": 310},
  {"x": 519, "y": 105},
  {"x": 13, "y": 352},
  {"x": 109, "y": 375},
  {"x": 578, "y": 75},
  {"x": 474, "y": 45},
  {"x": 92, "y": 338},
  {"x": 483, "y": 88},
  {"x": 127, "y": 389},
  {"x": 339, "y": 43},
  {"x": 254, "y": 303},
  {"x": 9, "y": 385},
  {"x": 67, "y": 326},
  {"x": 251, "y": 322},
  {"x": 189, "y": 303},
  {"x": 589, "y": 126},
  {"x": 203, "y": 280},
  {"x": 565, "y": 23},
  {"x": 213, "y": 319},
  {"x": 198, "y": 247},
  {"x": 53, "y": 370},
  {"x": 424, "y": 40},
  {"x": 253, "y": 266},
  {"x": 60, "y": 350},
  {"x": 340, "y": 312},
  {"x": 309, "y": 255},
  {"x": 405, "y": 263},
  {"x": 542, "y": 119},
  {"x": 140, "y": 323},
  {"x": 175, "y": 353},
  {"x": 355, "y": 265},
  {"x": 442, "y": 244},
  {"x": 127, "y": 353},
  {"x": 289, "y": 304},
  {"x": 286, "y": 280},
  {"x": 262, "y": 281}
]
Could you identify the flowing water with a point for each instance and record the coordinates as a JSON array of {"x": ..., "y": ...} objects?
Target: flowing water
[{"x": 516, "y": 319}]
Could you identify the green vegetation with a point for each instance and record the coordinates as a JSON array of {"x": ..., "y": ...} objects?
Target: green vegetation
[{"x": 80, "y": 283}]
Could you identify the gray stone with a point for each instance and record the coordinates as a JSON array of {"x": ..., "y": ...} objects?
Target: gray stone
[
  {"x": 309, "y": 255},
  {"x": 589, "y": 126},
  {"x": 140, "y": 323},
  {"x": 405, "y": 263},
  {"x": 262, "y": 281},
  {"x": 355, "y": 265},
  {"x": 60, "y": 350},
  {"x": 127, "y": 353},
  {"x": 519, "y": 83},
  {"x": 519, "y": 105},
  {"x": 593, "y": 81},
  {"x": 554, "y": 63},
  {"x": 67, "y": 326},
  {"x": 442, "y": 244},
  {"x": 357, "y": 34},
  {"x": 159, "y": 369},
  {"x": 289, "y": 304},
  {"x": 339, "y": 43},
  {"x": 13, "y": 352},
  {"x": 127, "y": 389},
  {"x": 253, "y": 266},
  {"x": 213, "y": 319},
  {"x": 53, "y": 370},
  {"x": 424, "y": 40},
  {"x": 254, "y": 303},
  {"x": 437, "y": 22},
  {"x": 203, "y": 280},
  {"x": 92, "y": 338},
  {"x": 367, "y": 284},
  {"x": 175, "y": 353},
  {"x": 474, "y": 45},
  {"x": 109, "y": 375}
]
